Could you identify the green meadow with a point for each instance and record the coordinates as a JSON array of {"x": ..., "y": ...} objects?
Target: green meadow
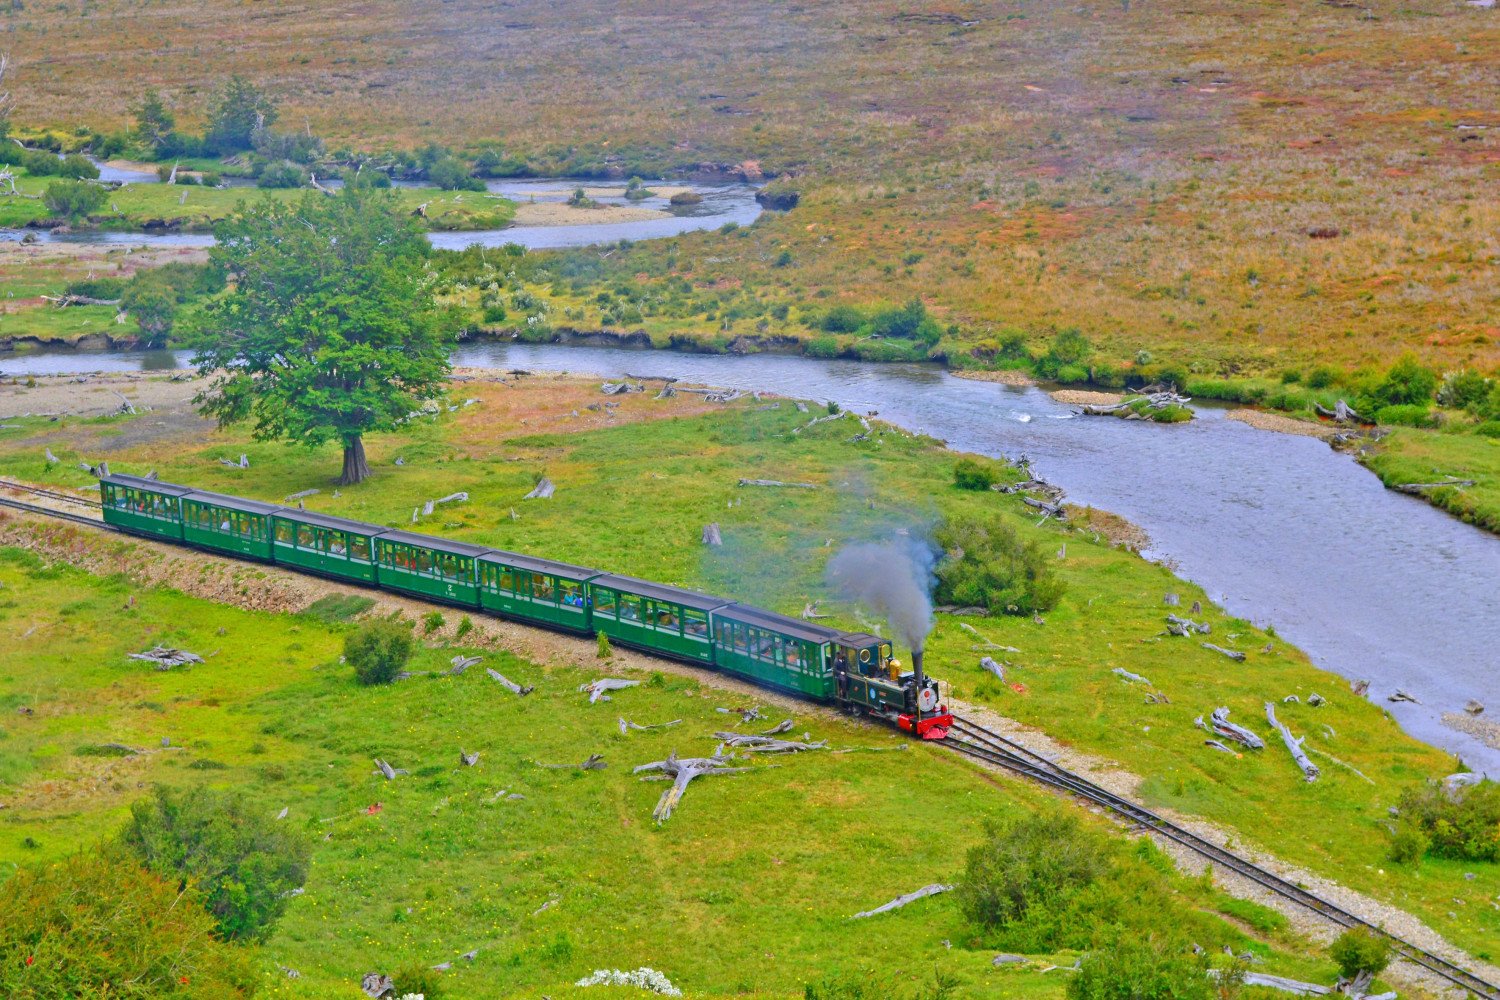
[
  {"x": 548, "y": 874},
  {"x": 636, "y": 486}
]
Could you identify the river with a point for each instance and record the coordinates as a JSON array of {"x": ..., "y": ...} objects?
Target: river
[
  {"x": 722, "y": 203},
  {"x": 1278, "y": 529}
]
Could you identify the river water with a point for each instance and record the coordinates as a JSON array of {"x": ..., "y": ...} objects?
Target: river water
[
  {"x": 1278, "y": 529},
  {"x": 722, "y": 203}
]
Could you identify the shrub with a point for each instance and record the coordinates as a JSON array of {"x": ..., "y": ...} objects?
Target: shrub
[
  {"x": 1071, "y": 373},
  {"x": 1038, "y": 861},
  {"x": 1137, "y": 969},
  {"x": 1359, "y": 951},
  {"x": 1464, "y": 389},
  {"x": 465, "y": 626},
  {"x": 1291, "y": 377},
  {"x": 605, "y": 652},
  {"x": 281, "y": 175},
  {"x": 77, "y": 168},
  {"x": 72, "y": 199},
  {"x": 379, "y": 651},
  {"x": 1462, "y": 823},
  {"x": 989, "y": 566},
  {"x": 419, "y": 980},
  {"x": 970, "y": 474},
  {"x": 908, "y": 322},
  {"x": 1406, "y": 415},
  {"x": 153, "y": 304},
  {"x": 235, "y": 113},
  {"x": 97, "y": 925},
  {"x": 451, "y": 174},
  {"x": 1322, "y": 377},
  {"x": 841, "y": 319},
  {"x": 1409, "y": 844},
  {"x": 1489, "y": 429},
  {"x": 1407, "y": 383},
  {"x": 1067, "y": 348},
  {"x": 97, "y": 288},
  {"x": 238, "y": 861}
]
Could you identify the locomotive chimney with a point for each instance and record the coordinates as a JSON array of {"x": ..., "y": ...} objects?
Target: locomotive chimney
[{"x": 916, "y": 669}]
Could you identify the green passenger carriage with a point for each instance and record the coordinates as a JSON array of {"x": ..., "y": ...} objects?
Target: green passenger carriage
[
  {"x": 536, "y": 589},
  {"x": 229, "y": 524},
  {"x": 774, "y": 649},
  {"x": 334, "y": 546},
  {"x": 654, "y": 617},
  {"x": 144, "y": 506},
  {"x": 429, "y": 566}
]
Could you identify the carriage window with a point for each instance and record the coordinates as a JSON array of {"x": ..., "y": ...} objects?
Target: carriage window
[
  {"x": 570, "y": 594},
  {"x": 695, "y": 623},
  {"x": 508, "y": 579},
  {"x": 605, "y": 601},
  {"x": 306, "y": 537},
  {"x": 424, "y": 561},
  {"x": 283, "y": 532},
  {"x": 541, "y": 587},
  {"x": 792, "y": 651},
  {"x": 359, "y": 547},
  {"x": 630, "y": 608},
  {"x": 668, "y": 618},
  {"x": 338, "y": 542},
  {"x": 739, "y": 638},
  {"x": 763, "y": 645}
]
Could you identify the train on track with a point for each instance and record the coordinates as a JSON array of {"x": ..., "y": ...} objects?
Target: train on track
[{"x": 854, "y": 670}]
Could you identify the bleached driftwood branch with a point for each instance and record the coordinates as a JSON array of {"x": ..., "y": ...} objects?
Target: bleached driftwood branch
[
  {"x": 1293, "y": 745},
  {"x": 900, "y": 901}
]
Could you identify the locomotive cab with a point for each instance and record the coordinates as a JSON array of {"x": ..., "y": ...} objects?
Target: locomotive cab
[{"x": 868, "y": 676}]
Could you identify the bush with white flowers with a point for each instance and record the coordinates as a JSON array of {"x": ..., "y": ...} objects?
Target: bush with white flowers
[{"x": 642, "y": 978}]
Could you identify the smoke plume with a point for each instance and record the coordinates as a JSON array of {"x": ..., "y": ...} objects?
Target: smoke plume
[{"x": 893, "y": 578}]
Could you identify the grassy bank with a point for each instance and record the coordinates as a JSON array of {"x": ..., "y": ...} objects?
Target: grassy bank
[
  {"x": 1408, "y": 455},
  {"x": 417, "y": 871},
  {"x": 637, "y": 483}
]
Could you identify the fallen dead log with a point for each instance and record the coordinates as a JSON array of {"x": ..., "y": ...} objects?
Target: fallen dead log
[
  {"x": 1281, "y": 983},
  {"x": 783, "y": 726},
  {"x": 381, "y": 767},
  {"x": 303, "y": 495},
  {"x": 745, "y": 714},
  {"x": 373, "y": 983},
  {"x": 626, "y": 725},
  {"x": 621, "y": 388},
  {"x": 461, "y": 663},
  {"x": 989, "y": 664},
  {"x": 1217, "y": 746},
  {"x": 681, "y": 772},
  {"x": 1186, "y": 626},
  {"x": 988, "y": 642},
  {"x": 811, "y": 613},
  {"x": 594, "y": 762},
  {"x": 778, "y": 483},
  {"x": 542, "y": 491},
  {"x": 821, "y": 420},
  {"x": 1132, "y": 678},
  {"x": 1233, "y": 654},
  {"x": 509, "y": 684},
  {"x": 63, "y": 301},
  {"x": 1050, "y": 509},
  {"x": 1221, "y": 725},
  {"x": 1401, "y": 695},
  {"x": 766, "y": 744},
  {"x": 900, "y": 901},
  {"x": 467, "y": 759},
  {"x": 598, "y": 690},
  {"x": 712, "y": 535},
  {"x": 1293, "y": 745},
  {"x": 1341, "y": 412},
  {"x": 1417, "y": 488},
  {"x": 669, "y": 379},
  {"x": 165, "y": 657}
]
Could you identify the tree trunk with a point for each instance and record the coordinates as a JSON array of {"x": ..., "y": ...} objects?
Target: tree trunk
[{"x": 356, "y": 470}]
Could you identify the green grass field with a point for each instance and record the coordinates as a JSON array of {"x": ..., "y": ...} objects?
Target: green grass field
[
  {"x": 633, "y": 498},
  {"x": 746, "y": 891}
]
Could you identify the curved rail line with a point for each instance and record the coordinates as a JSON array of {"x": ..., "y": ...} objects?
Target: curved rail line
[
  {"x": 983, "y": 744},
  {"x": 975, "y": 741}
]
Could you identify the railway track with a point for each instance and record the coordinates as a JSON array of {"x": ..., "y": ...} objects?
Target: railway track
[{"x": 973, "y": 740}]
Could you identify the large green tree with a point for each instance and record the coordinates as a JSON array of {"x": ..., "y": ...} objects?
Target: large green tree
[
  {"x": 331, "y": 330},
  {"x": 154, "y": 122}
]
